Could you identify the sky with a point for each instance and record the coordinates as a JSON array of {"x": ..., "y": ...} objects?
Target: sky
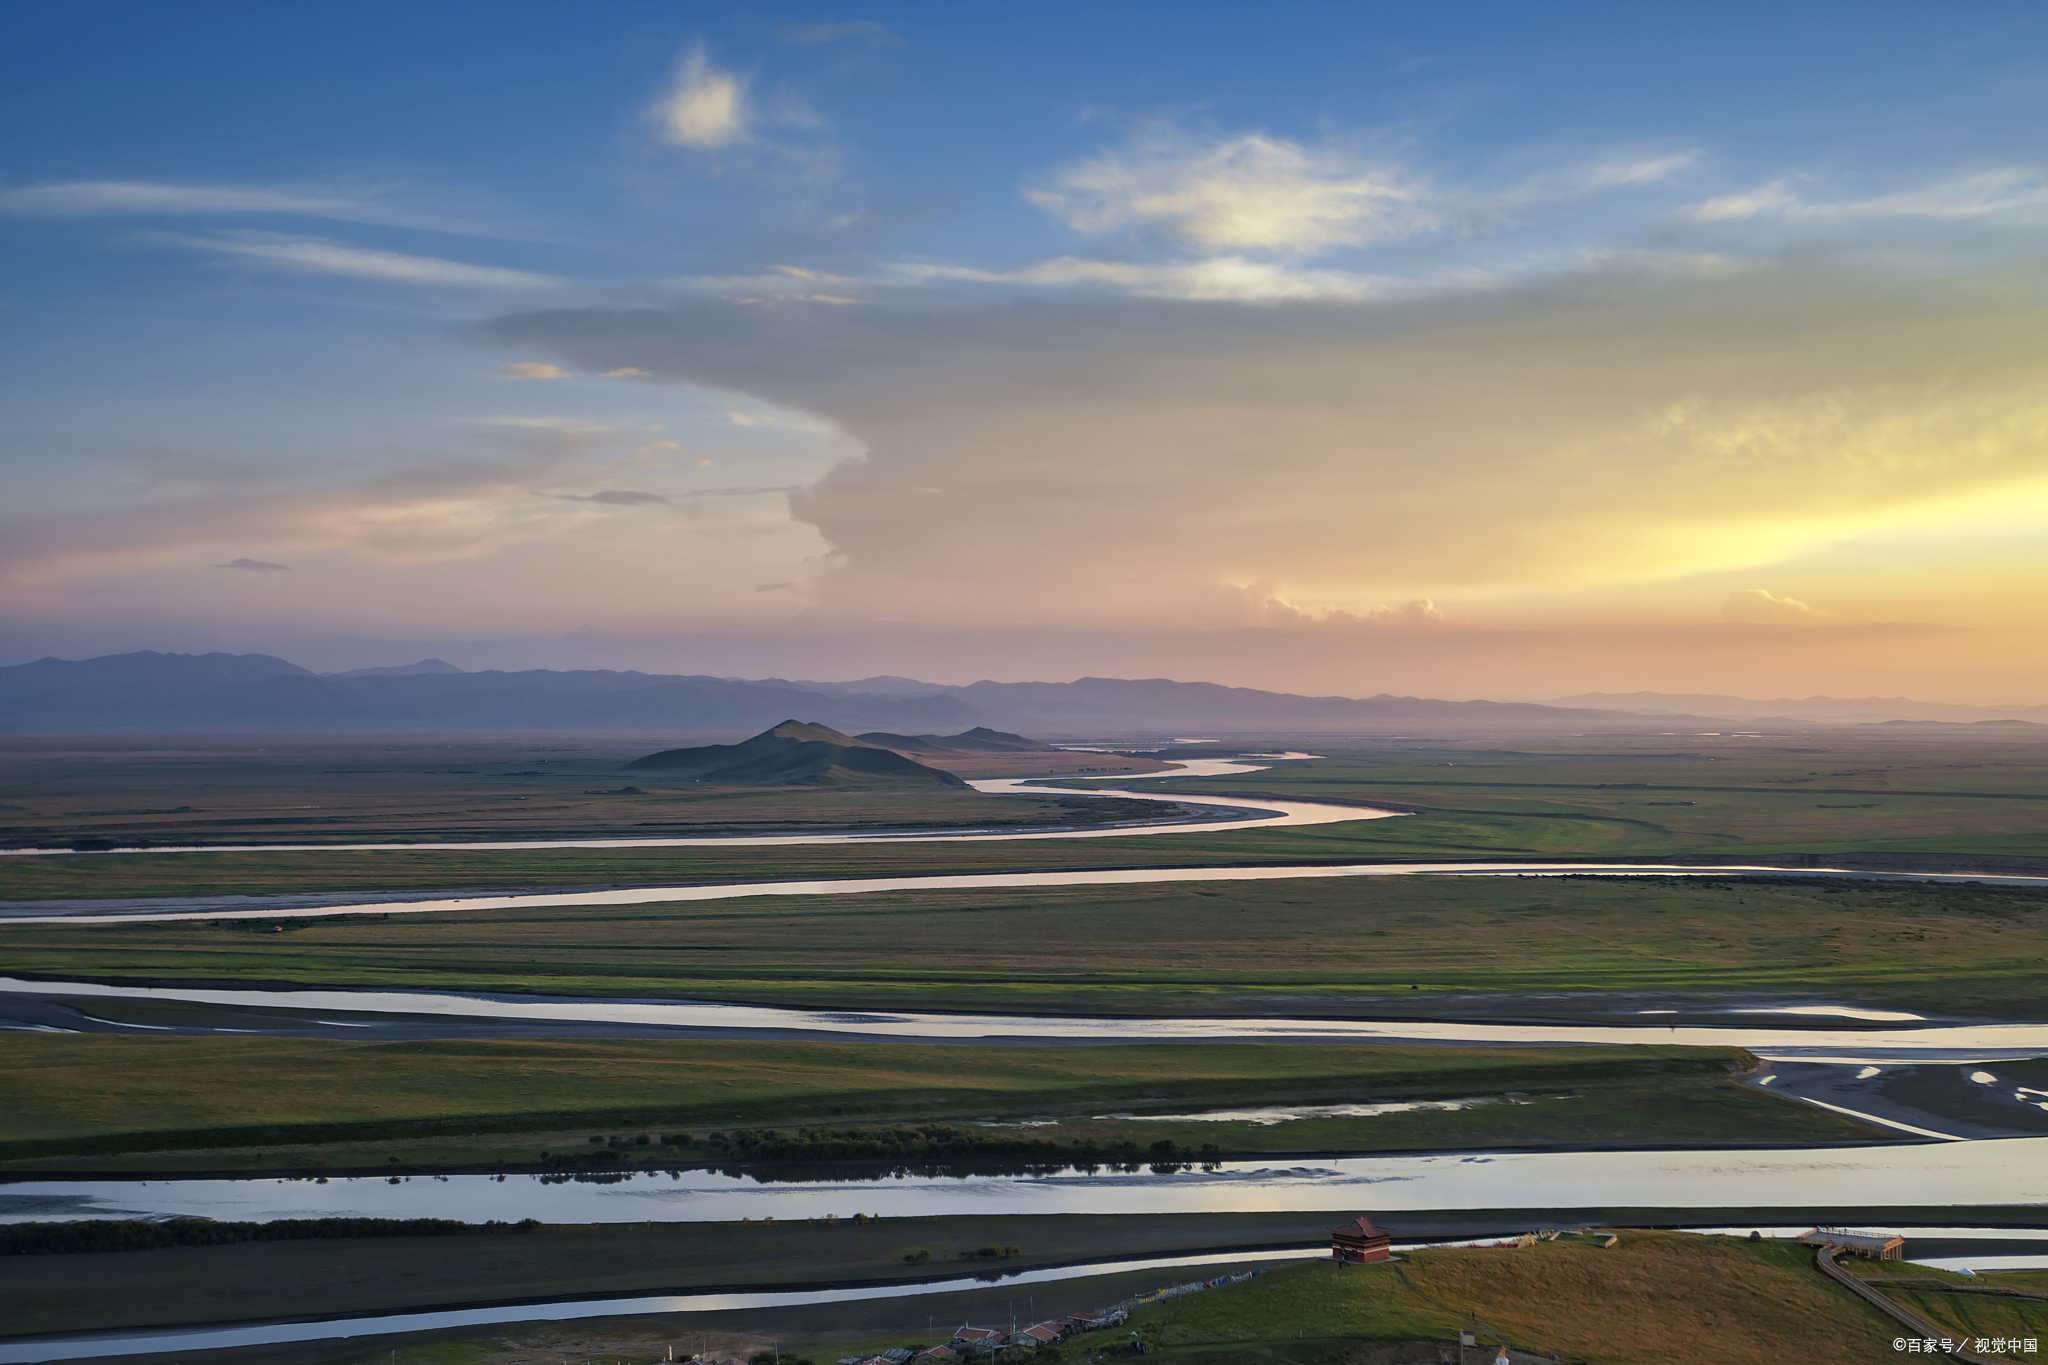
[{"x": 1465, "y": 350}]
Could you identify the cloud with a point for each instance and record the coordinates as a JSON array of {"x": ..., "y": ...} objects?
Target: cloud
[
  {"x": 2001, "y": 192},
  {"x": 625, "y": 372},
  {"x": 626, "y": 497},
  {"x": 532, "y": 369},
  {"x": 253, "y": 565},
  {"x": 1244, "y": 193},
  {"x": 127, "y": 198},
  {"x": 435, "y": 513},
  {"x": 1419, "y": 611},
  {"x": 703, "y": 107},
  {"x": 331, "y": 258},
  {"x": 1089, "y": 456},
  {"x": 1218, "y": 277},
  {"x": 776, "y": 587},
  {"x": 1761, "y": 606},
  {"x": 854, "y": 30},
  {"x": 614, "y": 497}
]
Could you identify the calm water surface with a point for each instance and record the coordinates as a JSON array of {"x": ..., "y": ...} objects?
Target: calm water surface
[{"x": 2005, "y": 1171}]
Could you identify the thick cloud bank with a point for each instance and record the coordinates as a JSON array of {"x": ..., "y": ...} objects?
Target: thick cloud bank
[{"x": 1096, "y": 458}]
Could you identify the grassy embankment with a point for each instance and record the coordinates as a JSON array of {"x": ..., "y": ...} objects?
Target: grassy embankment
[
  {"x": 1957, "y": 1304},
  {"x": 1306, "y": 947},
  {"x": 264, "y": 1103},
  {"x": 1665, "y": 1297}
]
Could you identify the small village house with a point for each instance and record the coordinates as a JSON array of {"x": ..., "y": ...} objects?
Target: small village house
[{"x": 1360, "y": 1243}]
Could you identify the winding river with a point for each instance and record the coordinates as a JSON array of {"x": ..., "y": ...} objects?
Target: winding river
[
  {"x": 2002, "y": 1171},
  {"x": 1959, "y": 1172},
  {"x": 1228, "y": 813}
]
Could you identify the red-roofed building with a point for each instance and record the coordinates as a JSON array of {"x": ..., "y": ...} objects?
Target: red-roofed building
[{"x": 1360, "y": 1243}]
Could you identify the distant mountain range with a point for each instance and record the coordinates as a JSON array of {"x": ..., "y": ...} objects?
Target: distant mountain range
[
  {"x": 259, "y": 692},
  {"x": 243, "y": 692},
  {"x": 1838, "y": 710}
]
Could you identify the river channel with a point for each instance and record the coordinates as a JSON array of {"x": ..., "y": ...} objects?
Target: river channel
[
  {"x": 2005, "y": 1171},
  {"x": 1223, "y": 814},
  {"x": 1963, "y": 1172}
]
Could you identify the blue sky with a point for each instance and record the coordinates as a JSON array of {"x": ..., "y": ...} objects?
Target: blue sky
[{"x": 1476, "y": 349}]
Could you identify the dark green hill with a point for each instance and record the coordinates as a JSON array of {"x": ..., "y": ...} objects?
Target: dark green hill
[
  {"x": 982, "y": 740},
  {"x": 979, "y": 740},
  {"x": 794, "y": 754},
  {"x": 906, "y": 744}
]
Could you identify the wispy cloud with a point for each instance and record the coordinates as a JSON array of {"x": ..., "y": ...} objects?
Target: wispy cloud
[
  {"x": 1765, "y": 607},
  {"x": 451, "y": 510},
  {"x": 532, "y": 369},
  {"x": 1245, "y": 193},
  {"x": 1218, "y": 277},
  {"x": 704, "y": 106},
  {"x": 134, "y": 198},
  {"x": 1244, "y": 280},
  {"x": 633, "y": 497},
  {"x": 1615, "y": 170},
  {"x": 1982, "y": 194},
  {"x": 613, "y": 497},
  {"x": 314, "y": 256}
]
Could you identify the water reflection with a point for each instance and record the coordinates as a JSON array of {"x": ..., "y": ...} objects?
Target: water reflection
[{"x": 2005, "y": 1171}]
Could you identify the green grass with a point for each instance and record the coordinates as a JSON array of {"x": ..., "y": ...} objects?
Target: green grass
[
  {"x": 283, "y": 1279},
  {"x": 414, "y": 788},
  {"x": 1822, "y": 793},
  {"x": 1670, "y": 1297},
  {"x": 294, "y": 1101},
  {"x": 1665, "y": 1297},
  {"x": 1309, "y": 946},
  {"x": 1814, "y": 793}
]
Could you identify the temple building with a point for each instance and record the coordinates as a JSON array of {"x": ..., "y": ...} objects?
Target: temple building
[{"x": 1360, "y": 1243}]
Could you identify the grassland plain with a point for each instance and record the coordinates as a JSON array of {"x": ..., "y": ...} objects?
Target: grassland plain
[
  {"x": 49, "y": 1293},
  {"x": 1803, "y": 795},
  {"x": 1959, "y": 1304},
  {"x": 323, "y": 789},
  {"x": 1311, "y": 946},
  {"x": 1655, "y": 1299},
  {"x": 269, "y": 1103}
]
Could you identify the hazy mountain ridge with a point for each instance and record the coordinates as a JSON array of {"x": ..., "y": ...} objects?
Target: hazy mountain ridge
[
  {"x": 1675, "y": 705},
  {"x": 151, "y": 691}
]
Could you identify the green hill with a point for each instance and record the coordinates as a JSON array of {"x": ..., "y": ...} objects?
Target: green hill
[
  {"x": 794, "y": 754},
  {"x": 979, "y": 740}
]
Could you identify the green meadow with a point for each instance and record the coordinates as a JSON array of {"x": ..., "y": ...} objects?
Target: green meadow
[
  {"x": 1669, "y": 1297},
  {"x": 1727, "y": 798},
  {"x": 286, "y": 1103},
  {"x": 1297, "y": 946}
]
